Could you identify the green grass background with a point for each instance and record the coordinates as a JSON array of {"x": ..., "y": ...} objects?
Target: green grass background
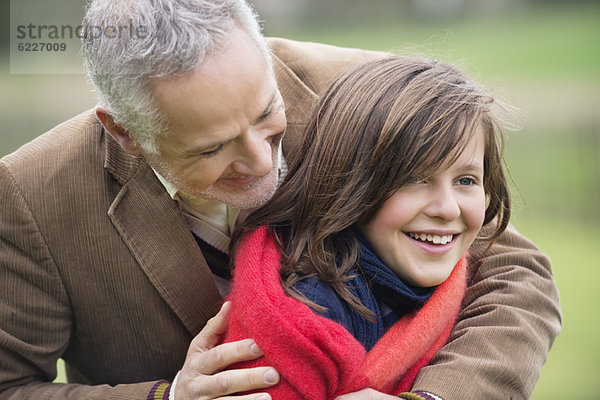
[{"x": 545, "y": 60}]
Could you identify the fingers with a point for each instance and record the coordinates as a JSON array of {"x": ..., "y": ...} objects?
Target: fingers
[
  {"x": 202, "y": 375},
  {"x": 261, "y": 396},
  {"x": 366, "y": 394},
  {"x": 254, "y": 396},
  {"x": 213, "y": 331},
  {"x": 227, "y": 382},
  {"x": 240, "y": 380},
  {"x": 220, "y": 357}
]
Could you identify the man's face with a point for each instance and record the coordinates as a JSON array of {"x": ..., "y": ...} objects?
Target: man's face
[{"x": 225, "y": 122}]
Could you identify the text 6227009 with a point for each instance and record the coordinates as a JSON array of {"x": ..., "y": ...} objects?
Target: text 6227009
[{"x": 42, "y": 46}]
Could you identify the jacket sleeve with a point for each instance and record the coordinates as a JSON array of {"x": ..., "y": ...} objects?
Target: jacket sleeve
[
  {"x": 35, "y": 321},
  {"x": 509, "y": 321}
]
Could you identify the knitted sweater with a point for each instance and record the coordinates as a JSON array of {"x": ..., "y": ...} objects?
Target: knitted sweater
[{"x": 318, "y": 358}]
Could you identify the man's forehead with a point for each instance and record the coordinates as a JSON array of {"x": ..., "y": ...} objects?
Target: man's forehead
[
  {"x": 198, "y": 121},
  {"x": 241, "y": 66}
]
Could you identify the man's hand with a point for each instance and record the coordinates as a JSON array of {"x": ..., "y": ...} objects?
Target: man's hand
[
  {"x": 202, "y": 376},
  {"x": 366, "y": 394}
]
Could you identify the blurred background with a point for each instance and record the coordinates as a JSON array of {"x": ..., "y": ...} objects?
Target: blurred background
[{"x": 540, "y": 56}]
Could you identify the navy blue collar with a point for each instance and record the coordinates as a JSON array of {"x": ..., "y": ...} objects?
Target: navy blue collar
[{"x": 386, "y": 285}]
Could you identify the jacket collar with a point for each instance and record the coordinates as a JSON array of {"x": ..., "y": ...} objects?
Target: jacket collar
[
  {"x": 152, "y": 226},
  {"x": 299, "y": 102},
  {"x": 117, "y": 161}
]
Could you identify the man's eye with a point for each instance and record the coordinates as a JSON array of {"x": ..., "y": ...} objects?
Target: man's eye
[
  {"x": 267, "y": 115},
  {"x": 272, "y": 110},
  {"x": 212, "y": 152}
]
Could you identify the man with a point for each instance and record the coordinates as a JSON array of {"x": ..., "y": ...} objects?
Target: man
[{"x": 115, "y": 224}]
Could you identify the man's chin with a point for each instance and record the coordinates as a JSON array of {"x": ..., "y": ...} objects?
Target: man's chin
[{"x": 242, "y": 197}]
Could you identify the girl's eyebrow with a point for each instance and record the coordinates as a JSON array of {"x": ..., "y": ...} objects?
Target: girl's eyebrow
[{"x": 471, "y": 167}]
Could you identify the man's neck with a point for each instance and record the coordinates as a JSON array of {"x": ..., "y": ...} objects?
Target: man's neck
[{"x": 215, "y": 213}]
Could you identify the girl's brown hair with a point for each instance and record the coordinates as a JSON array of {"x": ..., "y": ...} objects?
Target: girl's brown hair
[{"x": 378, "y": 127}]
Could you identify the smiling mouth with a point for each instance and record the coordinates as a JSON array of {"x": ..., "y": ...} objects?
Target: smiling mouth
[
  {"x": 246, "y": 180},
  {"x": 431, "y": 239}
]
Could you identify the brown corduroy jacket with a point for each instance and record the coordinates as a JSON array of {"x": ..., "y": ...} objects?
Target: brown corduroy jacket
[{"x": 98, "y": 266}]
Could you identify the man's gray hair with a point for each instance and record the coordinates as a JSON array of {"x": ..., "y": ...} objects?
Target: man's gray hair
[{"x": 128, "y": 42}]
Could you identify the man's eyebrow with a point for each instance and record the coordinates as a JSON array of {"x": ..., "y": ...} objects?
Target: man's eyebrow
[
  {"x": 206, "y": 146},
  {"x": 209, "y": 146}
]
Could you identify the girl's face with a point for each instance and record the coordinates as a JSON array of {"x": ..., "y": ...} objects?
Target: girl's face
[{"x": 425, "y": 228}]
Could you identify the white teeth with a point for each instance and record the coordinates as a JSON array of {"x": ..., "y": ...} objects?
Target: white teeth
[{"x": 436, "y": 239}]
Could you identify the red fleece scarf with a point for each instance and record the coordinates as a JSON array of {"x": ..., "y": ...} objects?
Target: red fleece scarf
[{"x": 317, "y": 358}]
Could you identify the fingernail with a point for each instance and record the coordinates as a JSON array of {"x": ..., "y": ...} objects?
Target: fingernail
[
  {"x": 255, "y": 349},
  {"x": 271, "y": 376},
  {"x": 225, "y": 305}
]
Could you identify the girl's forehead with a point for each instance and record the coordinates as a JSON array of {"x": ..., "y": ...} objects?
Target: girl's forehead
[{"x": 462, "y": 144}]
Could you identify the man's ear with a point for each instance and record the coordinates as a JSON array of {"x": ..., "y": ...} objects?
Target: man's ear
[{"x": 117, "y": 132}]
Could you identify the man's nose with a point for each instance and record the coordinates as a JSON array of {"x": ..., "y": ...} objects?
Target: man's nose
[{"x": 256, "y": 154}]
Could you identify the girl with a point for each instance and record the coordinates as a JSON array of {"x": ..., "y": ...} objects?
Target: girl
[{"x": 353, "y": 274}]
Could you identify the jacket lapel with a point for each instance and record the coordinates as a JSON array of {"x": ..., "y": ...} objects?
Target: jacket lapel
[
  {"x": 153, "y": 228},
  {"x": 299, "y": 101}
]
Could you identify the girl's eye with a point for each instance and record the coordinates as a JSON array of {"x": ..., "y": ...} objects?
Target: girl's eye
[{"x": 466, "y": 181}]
